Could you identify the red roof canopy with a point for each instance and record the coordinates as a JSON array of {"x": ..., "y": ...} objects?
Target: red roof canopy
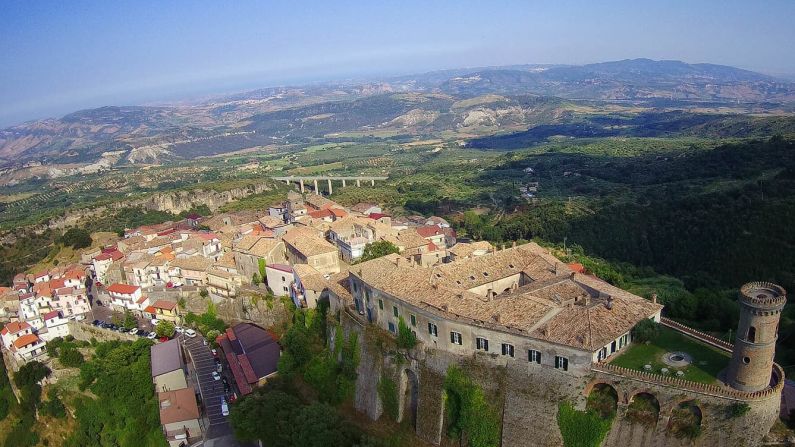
[{"x": 125, "y": 289}]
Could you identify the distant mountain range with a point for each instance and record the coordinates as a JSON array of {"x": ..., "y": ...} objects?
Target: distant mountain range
[{"x": 469, "y": 102}]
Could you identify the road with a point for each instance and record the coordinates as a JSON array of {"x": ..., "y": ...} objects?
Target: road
[{"x": 211, "y": 390}]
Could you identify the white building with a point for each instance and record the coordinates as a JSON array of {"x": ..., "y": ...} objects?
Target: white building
[
  {"x": 21, "y": 340},
  {"x": 279, "y": 277},
  {"x": 55, "y": 325}
]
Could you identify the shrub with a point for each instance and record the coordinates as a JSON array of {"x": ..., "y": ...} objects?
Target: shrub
[
  {"x": 469, "y": 413},
  {"x": 71, "y": 358},
  {"x": 581, "y": 428},
  {"x": 738, "y": 409},
  {"x": 388, "y": 392},
  {"x": 53, "y": 407},
  {"x": 406, "y": 338}
]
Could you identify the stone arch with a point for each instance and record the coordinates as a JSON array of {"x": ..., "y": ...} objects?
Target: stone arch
[
  {"x": 409, "y": 396},
  {"x": 685, "y": 419},
  {"x": 604, "y": 398},
  {"x": 643, "y": 407}
]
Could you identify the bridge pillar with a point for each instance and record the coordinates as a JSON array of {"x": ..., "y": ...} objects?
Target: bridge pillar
[
  {"x": 358, "y": 182},
  {"x": 301, "y": 181},
  {"x": 372, "y": 182},
  {"x": 317, "y": 191},
  {"x": 343, "y": 183},
  {"x": 329, "y": 187}
]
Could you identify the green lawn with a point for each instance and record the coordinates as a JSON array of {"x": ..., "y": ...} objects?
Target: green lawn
[{"x": 707, "y": 361}]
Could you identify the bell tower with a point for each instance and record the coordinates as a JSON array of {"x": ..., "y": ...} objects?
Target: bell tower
[{"x": 752, "y": 361}]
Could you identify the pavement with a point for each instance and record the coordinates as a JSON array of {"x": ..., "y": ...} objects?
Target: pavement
[{"x": 211, "y": 390}]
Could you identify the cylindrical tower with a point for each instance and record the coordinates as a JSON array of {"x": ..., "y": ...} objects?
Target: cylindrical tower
[{"x": 752, "y": 363}]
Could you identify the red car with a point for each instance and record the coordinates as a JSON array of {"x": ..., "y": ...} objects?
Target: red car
[
  {"x": 215, "y": 353},
  {"x": 164, "y": 339}
]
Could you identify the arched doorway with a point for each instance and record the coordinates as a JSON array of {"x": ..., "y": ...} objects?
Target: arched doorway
[
  {"x": 643, "y": 408},
  {"x": 603, "y": 399},
  {"x": 410, "y": 398},
  {"x": 685, "y": 420}
]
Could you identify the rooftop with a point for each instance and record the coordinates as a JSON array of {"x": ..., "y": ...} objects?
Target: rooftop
[
  {"x": 166, "y": 357},
  {"x": 177, "y": 406},
  {"x": 546, "y": 301}
]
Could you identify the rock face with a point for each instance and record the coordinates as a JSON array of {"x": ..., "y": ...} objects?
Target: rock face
[{"x": 173, "y": 202}]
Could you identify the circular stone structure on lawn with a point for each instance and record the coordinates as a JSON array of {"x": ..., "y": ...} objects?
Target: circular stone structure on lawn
[{"x": 677, "y": 359}]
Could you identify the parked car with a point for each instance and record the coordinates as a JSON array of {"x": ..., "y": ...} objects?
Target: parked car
[
  {"x": 226, "y": 387},
  {"x": 218, "y": 367},
  {"x": 224, "y": 407},
  {"x": 151, "y": 336},
  {"x": 134, "y": 331},
  {"x": 190, "y": 333},
  {"x": 96, "y": 323},
  {"x": 179, "y": 329},
  {"x": 216, "y": 376},
  {"x": 155, "y": 321},
  {"x": 214, "y": 352},
  {"x": 142, "y": 333},
  {"x": 122, "y": 329}
]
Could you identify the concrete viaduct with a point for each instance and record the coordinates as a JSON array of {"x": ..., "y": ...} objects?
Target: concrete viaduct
[{"x": 315, "y": 179}]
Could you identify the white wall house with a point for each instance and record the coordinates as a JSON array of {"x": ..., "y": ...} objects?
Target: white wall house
[{"x": 279, "y": 277}]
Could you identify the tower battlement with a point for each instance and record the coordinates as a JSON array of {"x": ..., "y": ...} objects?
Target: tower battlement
[{"x": 763, "y": 294}]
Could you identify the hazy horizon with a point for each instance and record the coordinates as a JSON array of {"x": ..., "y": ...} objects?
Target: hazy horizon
[{"x": 63, "y": 57}]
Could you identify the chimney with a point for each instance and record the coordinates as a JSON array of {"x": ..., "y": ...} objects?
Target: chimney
[
  {"x": 444, "y": 307},
  {"x": 513, "y": 244},
  {"x": 609, "y": 302},
  {"x": 654, "y": 298},
  {"x": 571, "y": 276},
  {"x": 496, "y": 318}
]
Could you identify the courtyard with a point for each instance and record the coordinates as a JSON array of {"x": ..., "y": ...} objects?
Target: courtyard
[{"x": 672, "y": 352}]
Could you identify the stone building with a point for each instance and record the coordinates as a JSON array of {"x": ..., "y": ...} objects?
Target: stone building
[{"x": 533, "y": 333}]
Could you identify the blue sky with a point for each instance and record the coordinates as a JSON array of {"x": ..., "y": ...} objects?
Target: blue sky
[{"x": 60, "y": 56}]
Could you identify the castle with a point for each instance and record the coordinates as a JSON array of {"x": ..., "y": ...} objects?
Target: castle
[{"x": 532, "y": 333}]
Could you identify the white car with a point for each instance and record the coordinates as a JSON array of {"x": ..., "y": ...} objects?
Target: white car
[
  {"x": 190, "y": 333},
  {"x": 133, "y": 331},
  {"x": 178, "y": 329},
  {"x": 152, "y": 336},
  {"x": 155, "y": 321},
  {"x": 216, "y": 376},
  {"x": 224, "y": 407}
]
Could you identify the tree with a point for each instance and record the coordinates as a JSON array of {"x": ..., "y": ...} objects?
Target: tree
[
  {"x": 256, "y": 279},
  {"x": 76, "y": 238},
  {"x": 378, "y": 249},
  {"x": 203, "y": 293},
  {"x": 27, "y": 380},
  {"x": 265, "y": 415},
  {"x": 164, "y": 329},
  {"x": 645, "y": 330},
  {"x": 129, "y": 319}
]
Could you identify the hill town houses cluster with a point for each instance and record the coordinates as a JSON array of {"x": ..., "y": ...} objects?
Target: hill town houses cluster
[{"x": 297, "y": 248}]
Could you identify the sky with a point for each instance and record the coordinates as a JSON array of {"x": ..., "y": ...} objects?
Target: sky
[{"x": 60, "y": 56}]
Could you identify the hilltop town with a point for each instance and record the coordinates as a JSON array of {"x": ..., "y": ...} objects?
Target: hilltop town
[{"x": 530, "y": 329}]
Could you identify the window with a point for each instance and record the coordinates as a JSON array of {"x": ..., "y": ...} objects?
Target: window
[
  {"x": 613, "y": 347},
  {"x": 433, "y": 330},
  {"x": 455, "y": 338},
  {"x": 482, "y": 344},
  {"x": 534, "y": 356},
  {"x": 395, "y": 311},
  {"x": 561, "y": 363},
  {"x": 381, "y": 304},
  {"x": 413, "y": 320},
  {"x": 751, "y": 334},
  {"x": 392, "y": 327},
  {"x": 507, "y": 349}
]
